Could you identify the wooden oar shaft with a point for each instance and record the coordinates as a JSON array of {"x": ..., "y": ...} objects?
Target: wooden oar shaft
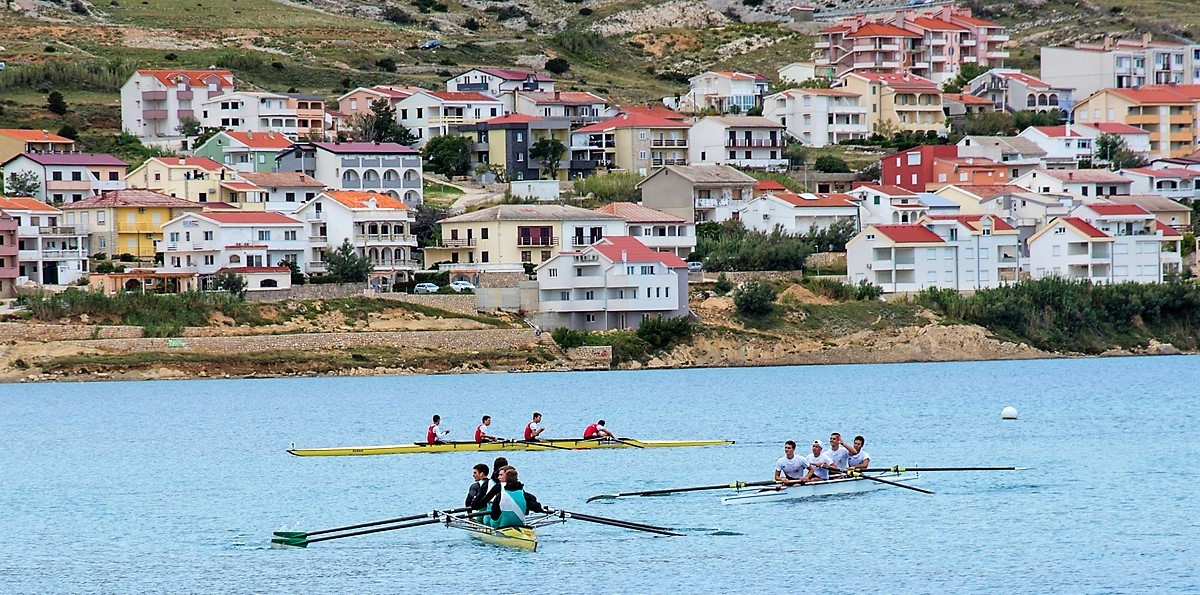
[{"x": 903, "y": 469}]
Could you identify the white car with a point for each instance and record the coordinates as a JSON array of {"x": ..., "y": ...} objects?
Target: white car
[
  {"x": 425, "y": 288},
  {"x": 461, "y": 286}
]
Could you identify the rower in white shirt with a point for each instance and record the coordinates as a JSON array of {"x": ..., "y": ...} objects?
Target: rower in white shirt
[
  {"x": 534, "y": 428},
  {"x": 818, "y": 464},
  {"x": 860, "y": 460},
  {"x": 790, "y": 467},
  {"x": 840, "y": 452}
]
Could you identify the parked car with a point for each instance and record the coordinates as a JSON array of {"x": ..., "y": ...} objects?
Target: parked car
[
  {"x": 425, "y": 288},
  {"x": 461, "y": 286},
  {"x": 695, "y": 267},
  {"x": 432, "y": 44}
]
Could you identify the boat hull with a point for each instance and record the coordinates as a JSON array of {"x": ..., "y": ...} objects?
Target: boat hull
[
  {"x": 832, "y": 487},
  {"x": 554, "y": 444},
  {"x": 521, "y": 538}
]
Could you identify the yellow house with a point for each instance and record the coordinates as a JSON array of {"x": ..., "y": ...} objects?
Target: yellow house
[
  {"x": 14, "y": 141},
  {"x": 196, "y": 179},
  {"x": 127, "y": 221},
  {"x": 1167, "y": 113},
  {"x": 898, "y": 102},
  {"x": 504, "y": 238},
  {"x": 969, "y": 198},
  {"x": 633, "y": 141}
]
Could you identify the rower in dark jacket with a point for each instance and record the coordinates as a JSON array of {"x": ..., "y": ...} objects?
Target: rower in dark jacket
[
  {"x": 479, "y": 488},
  {"x": 510, "y": 502}
]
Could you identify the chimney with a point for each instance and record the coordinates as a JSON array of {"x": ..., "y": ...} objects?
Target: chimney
[
  {"x": 249, "y": 134},
  {"x": 1070, "y": 176},
  {"x": 46, "y": 134},
  {"x": 624, "y": 256},
  {"x": 182, "y": 161}
]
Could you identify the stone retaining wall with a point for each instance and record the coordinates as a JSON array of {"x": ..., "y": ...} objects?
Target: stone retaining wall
[
  {"x": 23, "y": 331},
  {"x": 442, "y": 340},
  {"x": 312, "y": 291},
  {"x": 737, "y": 277}
]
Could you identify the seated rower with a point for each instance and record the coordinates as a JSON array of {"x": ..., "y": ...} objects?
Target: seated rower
[
  {"x": 839, "y": 452},
  {"x": 790, "y": 468},
  {"x": 534, "y": 428},
  {"x": 860, "y": 460},
  {"x": 510, "y": 502},
  {"x": 479, "y": 488},
  {"x": 818, "y": 464},
  {"x": 435, "y": 432},
  {"x": 597, "y": 430},
  {"x": 481, "y": 434}
]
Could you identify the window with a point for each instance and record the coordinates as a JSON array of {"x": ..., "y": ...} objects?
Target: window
[
  {"x": 648, "y": 269},
  {"x": 483, "y": 233},
  {"x": 76, "y": 176},
  {"x": 1060, "y": 230},
  {"x": 629, "y": 270},
  {"x": 173, "y": 237},
  {"x": 264, "y": 235},
  {"x": 210, "y": 259},
  {"x": 176, "y": 262},
  {"x": 1056, "y": 251},
  {"x": 545, "y": 255},
  {"x": 552, "y": 272},
  {"x": 591, "y": 318},
  {"x": 526, "y": 256},
  {"x": 103, "y": 242},
  {"x": 914, "y": 158},
  {"x": 579, "y": 272},
  {"x": 520, "y": 157},
  {"x": 520, "y": 137},
  {"x": 641, "y": 154},
  {"x": 483, "y": 256},
  {"x": 931, "y": 253},
  {"x": 642, "y": 135},
  {"x": 931, "y": 277},
  {"x": 289, "y": 235},
  {"x": 949, "y": 253},
  {"x": 289, "y": 197},
  {"x": 590, "y": 295},
  {"x": 564, "y": 295}
]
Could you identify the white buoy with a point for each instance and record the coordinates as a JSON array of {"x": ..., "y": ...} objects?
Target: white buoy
[{"x": 1009, "y": 413}]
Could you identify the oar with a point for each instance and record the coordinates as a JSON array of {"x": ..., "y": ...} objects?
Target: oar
[
  {"x": 302, "y": 534},
  {"x": 541, "y": 444},
  {"x": 619, "y": 523},
  {"x": 737, "y": 485},
  {"x": 903, "y": 469},
  {"x": 891, "y": 483},
  {"x": 303, "y": 542},
  {"x": 626, "y": 442}
]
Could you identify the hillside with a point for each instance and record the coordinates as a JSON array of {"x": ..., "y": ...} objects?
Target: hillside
[{"x": 628, "y": 50}]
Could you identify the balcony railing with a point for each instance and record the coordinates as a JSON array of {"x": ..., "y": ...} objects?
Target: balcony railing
[
  {"x": 585, "y": 240},
  {"x": 391, "y": 237},
  {"x": 154, "y": 95},
  {"x": 56, "y": 231},
  {"x": 139, "y": 228},
  {"x": 154, "y": 114},
  {"x": 318, "y": 239},
  {"x": 754, "y": 142},
  {"x": 539, "y": 241},
  {"x": 661, "y": 162},
  {"x": 659, "y": 142},
  {"x": 467, "y": 243}
]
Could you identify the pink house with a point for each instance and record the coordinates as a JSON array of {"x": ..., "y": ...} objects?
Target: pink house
[{"x": 8, "y": 255}]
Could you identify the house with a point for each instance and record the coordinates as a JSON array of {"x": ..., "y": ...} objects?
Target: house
[
  {"x": 861, "y": 45},
  {"x": 959, "y": 106},
  {"x": 70, "y": 177},
  {"x": 975, "y": 171},
  {"x": 819, "y": 117},
  {"x": 1120, "y": 64},
  {"x": 435, "y": 113},
  {"x": 1082, "y": 182},
  {"x": 310, "y": 117},
  {"x": 1028, "y": 211},
  {"x": 1166, "y": 211},
  {"x": 155, "y": 102},
  {"x": 1136, "y": 140},
  {"x": 960, "y": 252},
  {"x": 244, "y": 151},
  {"x": 912, "y": 169},
  {"x": 292, "y": 115},
  {"x": 1106, "y": 243},
  {"x": 358, "y": 101},
  {"x": 615, "y": 283},
  {"x": 1173, "y": 183},
  {"x": 724, "y": 91},
  {"x": 752, "y": 142},
  {"x": 799, "y": 72},
  {"x": 573, "y": 107},
  {"x": 14, "y": 141},
  {"x": 506, "y": 141},
  {"x": 206, "y": 243},
  {"x": 144, "y": 280},
  {"x": 899, "y": 102},
  {"x": 1020, "y": 155},
  {"x": 1065, "y": 146},
  {"x": 497, "y": 81},
  {"x": 49, "y": 252},
  {"x": 391, "y": 168},
  {"x": 970, "y": 197},
  {"x": 504, "y": 238},
  {"x": 9, "y": 255},
  {"x": 887, "y": 205},
  {"x": 650, "y": 109},
  {"x": 126, "y": 221},
  {"x": 284, "y": 191},
  {"x": 797, "y": 214},
  {"x": 697, "y": 193},
  {"x": 1012, "y": 91},
  {"x": 378, "y": 226},
  {"x": 197, "y": 179},
  {"x": 1166, "y": 113},
  {"x": 630, "y": 142},
  {"x": 659, "y": 231}
]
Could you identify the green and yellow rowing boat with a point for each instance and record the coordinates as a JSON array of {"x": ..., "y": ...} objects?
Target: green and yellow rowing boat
[{"x": 508, "y": 445}]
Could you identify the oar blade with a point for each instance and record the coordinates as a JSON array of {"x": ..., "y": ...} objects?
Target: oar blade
[
  {"x": 291, "y": 534},
  {"x": 602, "y": 497},
  {"x": 289, "y": 542}
]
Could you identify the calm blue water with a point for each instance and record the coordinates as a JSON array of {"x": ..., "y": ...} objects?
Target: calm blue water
[{"x": 173, "y": 487}]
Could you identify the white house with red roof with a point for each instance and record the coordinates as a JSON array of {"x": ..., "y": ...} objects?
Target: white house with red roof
[
  {"x": 496, "y": 81},
  {"x": 389, "y": 168},
  {"x": 659, "y": 231},
  {"x": 960, "y": 252},
  {"x": 796, "y": 214},
  {"x": 883, "y": 204},
  {"x": 575, "y": 107},
  {"x": 751, "y": 142},
  {"x": 1136, "y": 139},
  {"x": 155, "y": 102},
  {"x": 819, "y": 117},
  {"x": 69, "y": 177},
  {"x": 284, "y": 191},
  {"x": 1106, "y": 243},
  {"x": 360, "y": 99},
  {"x": 206, "y": 242},
  {"x": 1085, "y": 183},
  {"x": 1065, "y": 146},
  {"x": 615, "y": 283},
  {"x": 244, "y": 151},
  {"x": 435, "y": 113},
  {"x": 1011, "y": 90},
  {"x": 725, "y": 91},
  {"x": 1175, "y": 183},
  {"x": 49, "y": 251},
  {"x": 377, "y": 225}
]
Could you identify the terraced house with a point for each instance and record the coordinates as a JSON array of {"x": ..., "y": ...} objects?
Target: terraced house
[
  {"x": 197, "y": 179},
  {"x": 435, "y": 113},
  {"x": 506, "y": 141},
  {"x": 899, "y": 102},
  {"x": 244, "y": 151},
  {"x": 635, "y": 142},
  {"x": 1167, "y": 113}
]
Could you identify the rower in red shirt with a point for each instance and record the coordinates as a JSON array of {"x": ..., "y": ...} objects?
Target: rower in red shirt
[
  {"x": 534, "y": 428},
  {"x": 434, "y": 434},
  {"x": 481, "y": 434},
  {"x": 597, "y": 430}
]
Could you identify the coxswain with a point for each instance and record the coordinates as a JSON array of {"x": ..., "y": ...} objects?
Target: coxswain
[
  {"x": 790, "y": 468},
  {"x": 534, "y": 428},
  {"x": 435, "y": 432},
  {"x": 510, "y": 502},
  {"x": 860, "y": 460},
  {"x": 481, "y": 434},
  {"x": 479, "y": 487},
  {"x": 818, "y": 464},
  {"x": 597, "y": 430},
  {"x": 840, "y": 452}
]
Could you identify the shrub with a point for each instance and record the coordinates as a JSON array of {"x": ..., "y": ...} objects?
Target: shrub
[
  {"x": 843, "y": 292},
  {"x": 386, "y": 64},
  {"x": 471, "y": 24},
  {"x": 567, "y": 338},
  {"x": 723, "y": 285},
  {"x": 755, "y": 299},
  {"x": 661, "y": 333},
  {"x": 610, "y": 187},
  {"x": 558, "y": 65},
  {"x": 831, "y": 164}
]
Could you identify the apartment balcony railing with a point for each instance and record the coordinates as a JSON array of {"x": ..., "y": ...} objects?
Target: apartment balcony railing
[
  {"x": 376, "y": 183},
  {"x": 318, "y": 239},
  {"x": 467, "y": 243},
  {"x": 585, "y": 240},
  {"x": 410, "y": 183},
  {"x": 352, "y": 183},
  {"x": 154, "y": 95},
  {"x": 391, "y": 237},
  {"x": 56, "y": 231},
  {"x": 536, "y": 241},
  {"x": 154, "y": 114},
  {"x": 658, "y": 142},
  {"x": 662, "y": 162},
  {"x": 754, "y": 142},
  {"x": 139, "y": 228}
]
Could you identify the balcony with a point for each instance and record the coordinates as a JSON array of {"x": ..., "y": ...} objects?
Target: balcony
[
  {"x": 318, "y": 239},
  {"x": 480, "y": 147},
  {"x": 411, "y": 161},
  {"x": 821, "y": 45},
  {"x": 183, "y": 95},
  {"x": 315, "y": 216},
  {"x": 995, "y": 54},
  {"x": 758, "y": 163},
  {"x": 60, "y": 254},
  {"x": 376, "y": 183},
  {"x": 587, "y": 164},
  {"x": 539, "y": 241},
  {"x": 658, "y": 142},
  {"x": 585, "y": 240},
  {"x": 711, "y": 203},
  {"x": 876, "y": 64},
  {"x": 351, "y": 162},
  {"x": 454, "y": 243},
  {"x": 997, "y": 37},
  {"x": 472, "y": 86},
  {"x": 184, "y": 113},
  {"x": 155, "y": 228},
  {"x": 754, "y": 142},
  {"x": 56, "y": 231},
  {"x": 352, "y": 184},
  {"x": 154, "y": 95},
  {"x": 106, "y": 185},
  {"x": 967, "y": 42},
  {"x": 391, "y": 238},
  {"x": 391, "y": 183},
  {"x": 452, "y": 120},
  {"x": 662, "y": 162},
  {"x": 936, "y": 41},
  {"x": 154, "y": 114},
  {"x": 393, "y": 263},
  {"x": 410, "y": 183}
]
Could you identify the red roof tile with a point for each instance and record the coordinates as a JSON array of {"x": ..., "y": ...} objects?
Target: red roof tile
[
  {"x": 769, "y": 185},
  {"x": 22, "y": 203},
  {"x": 1116, "y": 128},
  {"x": 513, "y": 119},
  {"x": 460, "y": 96},
  {"x": 196, "y": 78},
  {"x": 997, "y": 223},
  {"x": 564, "y": 97},
  {"x": 936, "y": 24},
  {"x": 632, "y": 121},
  {"x": 974, "y": 21},
  {"x": 29, "y": 135},
  {"x": 881, "y": 30},
  {"x": 1167, "y": 230},
  {"x": 358, "y": 200},
  {"x": 816, "y": 200},
  {"x": 99, "y": 159},
  {"x": 889, "y": 190},
  {"x": 1024, "y": 78},
  {"x": 1166, "y": 172},
  {"x": 967, "y": 98},
  {"x": 1056, "y": 131},
  {"x": 132, "y": 197},
  {"x": 899, "y": 81},
  {"x": 262, "y": 140},
  {"x": 635, "y": 213},
  {"x": 1118, "y": 209},
  {"x": 1084, "y": 227},
  {"x": 250, "y": 218},
  {"x": 612, "y": 248},
  {"x": 659, "y": 111},
  {"x": 201, "y": 162},
  {"x": 909, "y": 234},
  {"x": 1153, "y": 95},
  {"x": 510, "y": 74}
]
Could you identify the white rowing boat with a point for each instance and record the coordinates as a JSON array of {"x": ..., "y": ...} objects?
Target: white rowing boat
[{"x": 849, "y": 485}]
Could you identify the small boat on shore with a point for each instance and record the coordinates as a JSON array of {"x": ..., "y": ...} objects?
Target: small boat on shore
[
  {"x": 847, "y": 485},
  {"x": 507, "y": 445}
]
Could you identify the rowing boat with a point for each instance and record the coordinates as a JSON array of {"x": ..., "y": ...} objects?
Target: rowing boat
[
  {"x": 521, "y": 538},
  {"x": 509, "y": 445},
  {"x": 849, "y": 485}
]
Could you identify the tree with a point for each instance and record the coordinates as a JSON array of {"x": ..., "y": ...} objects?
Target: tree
[
  {"x": 796, "y": 154},
  {"x": 558, "y": 65},
  {"x": 754, "y": 299},
  {"x": 425, "y": 226},
  {"x": 549, "y": 151},
  {"x": 22, "y": 183},
  {"x": 448, "y": 155},
  {"x": 346, "y": 265},
  {"x": 189, "y": 126},
  {"x": 966, "y": 73},
  {"x": 294, "y": 269},
  {"x": 986, "y": 124},
  {"x": 55, "y": 103},
  {"x": 723, "y": 285},
  {"x": 831, "y": 164},
  {"x": 69, "y": 131},
  {"x": 232, "y": 282},
  {"x": 1113, "y": 150},
  {"x": 380, "y": 125}
]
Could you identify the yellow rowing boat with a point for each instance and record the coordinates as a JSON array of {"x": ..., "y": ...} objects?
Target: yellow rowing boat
[
  {"x": 509, "y": 445},
  {"x": 521, "y": 538}
]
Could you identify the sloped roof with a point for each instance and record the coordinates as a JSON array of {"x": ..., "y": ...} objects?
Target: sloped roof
[
  {"x": 513, "y": 118},
  {"x": 966, "y": 98},
  {"x": 1155, "y": 203},
  {"x": 359, "y": 200},
  {"x": 936, "y": 24},
  {"x": 635, "y": 213},
  {"x": 511, "y": 74},
  {"x": 74, "y": 159},
  {"x": 30, "y": 135},
  {"x": 250, "y": 218},
  {"x": 899, "y": 81},
  {"x": 195, "y": 77},
  {"x": 1152, "y": 95},
  {"x": 389, "y": 148},
  {"x": 239, "y": 186},
  {"x": 746, "y": 121},
  {"x": 132, "y": 197},
  {"x": 1087, "y": 176},
  {"x": 1022, "y": 77},
  {"x": 705, "y": 174},
  {"x": 1116, "y": 128},
  {"x": 290, "y": 179},
  {"x": 1057, "y": 131},
  {"x": 612, "y": 247},
  {"x": 1166, "y": 172},
  {"x": 809, "y": 199},
  {"x": 766, "y": 185},
  {"x": 24, "y": 203},
  {"x": 1167, "y": 230},
  {"x": 660, "y": 111},
  {"x": 262, "y": 140},
  {"x": 530, "y": 213},
  {"x": 563, "y": 97},
  {"x": 199, "y": 162},
  {"x": 881, "y": 30},
  {"x": 888, "y": 190},
  {"x": 1084, "y": 227},
  {"x": 975, "y": 221},
  {"x": 909, "y": 234},
  {"x": 1009, "y": 144},
  {"x": 1112, "y": 209},
  {"x": 986, "y": 191},
  {"x": 626, "y": 120},
  {"x": 461, "y": 96}
]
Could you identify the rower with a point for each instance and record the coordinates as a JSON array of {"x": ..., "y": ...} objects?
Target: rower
[
  {"x": 790, "y": 468},
  {"x": 481, "y": 434},
  {"x": 860, "y": 460},
  {"x": 497, "y": 465},
  {"x": 510, "y": 502},
  {"x": 818, "y": 464},
  {"x": 839, "y": 452},
  {"x": 597, "y": 430},
  {"x": 479, "y": 488},
  {"x": 435, "y": 432},
  {"x": 534, "y": 428}
]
